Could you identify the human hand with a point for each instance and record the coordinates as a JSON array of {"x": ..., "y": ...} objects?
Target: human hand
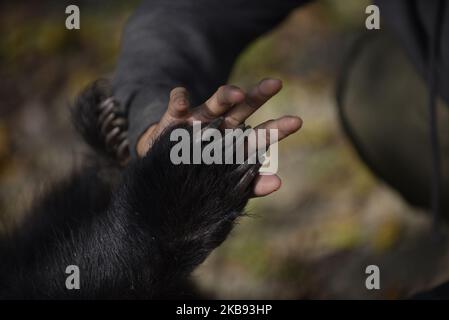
[{"x": 235, "y": 106}]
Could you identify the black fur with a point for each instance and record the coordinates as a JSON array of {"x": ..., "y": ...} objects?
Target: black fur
[
  {"x": 85, "y": 115},
  {"x": 139, "y": 238}
]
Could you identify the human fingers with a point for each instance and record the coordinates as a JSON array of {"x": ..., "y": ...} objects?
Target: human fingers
[
  {"x": 221, "y": 101},
  {"x": 255, "y": 98}
]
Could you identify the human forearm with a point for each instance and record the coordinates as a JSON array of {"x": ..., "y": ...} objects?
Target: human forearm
[{"x": 189, "y": 43}]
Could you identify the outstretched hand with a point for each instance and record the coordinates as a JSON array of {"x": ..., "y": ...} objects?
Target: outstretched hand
[{"x": 235, "y": 106}]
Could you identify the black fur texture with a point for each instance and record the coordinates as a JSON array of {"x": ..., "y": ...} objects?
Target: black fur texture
[{"x": 138, "y": 238}]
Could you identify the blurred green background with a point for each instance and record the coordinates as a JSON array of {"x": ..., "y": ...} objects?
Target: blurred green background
[{"x": 313, "y": 238}]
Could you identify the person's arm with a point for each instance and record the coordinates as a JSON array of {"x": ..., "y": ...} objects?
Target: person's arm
[{"x": 190, "y": 43}]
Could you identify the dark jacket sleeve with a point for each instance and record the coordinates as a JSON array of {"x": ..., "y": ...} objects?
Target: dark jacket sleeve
[
  {"x": 190, "y": 43},
  {"x": 413, "y": 23}
]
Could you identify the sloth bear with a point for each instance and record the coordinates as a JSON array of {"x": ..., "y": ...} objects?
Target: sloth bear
[{"x": 134, "y": 231}]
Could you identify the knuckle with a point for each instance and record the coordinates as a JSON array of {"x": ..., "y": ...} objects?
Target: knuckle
[{"x": 177, "y": 92}]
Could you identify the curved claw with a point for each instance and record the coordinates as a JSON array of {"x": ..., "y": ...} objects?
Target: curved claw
[
  {"x": 109, "y": 101},
  {"x": 123, "y": 149},
  {"x": 215, "y": 124},
  {"x": 105, "y": 108},
  {"x": 120, "y": 122},
  {"x": 230, "y": 146},
  {"x": 248, "y": 177},
  {"x": 249, "y": 170},
  {"x": 105, "y": 125},
  {"x": 112, "y": 134}
]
